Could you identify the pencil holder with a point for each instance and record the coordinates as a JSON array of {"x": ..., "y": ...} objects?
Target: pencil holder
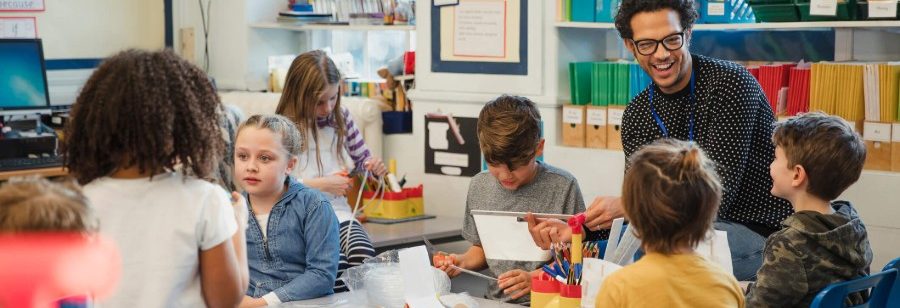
[
  {"x": 392, "y": 206},
  {"x": 416, "y": 202},
  {"x": 569, "y": 296},
  {"x": 544, "y": 291}
]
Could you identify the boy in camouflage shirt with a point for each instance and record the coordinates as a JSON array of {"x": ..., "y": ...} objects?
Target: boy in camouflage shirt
[{"x": 816, "y": 158}]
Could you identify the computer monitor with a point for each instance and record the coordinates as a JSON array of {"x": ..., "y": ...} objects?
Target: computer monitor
[{"x": 23, "y": 77}]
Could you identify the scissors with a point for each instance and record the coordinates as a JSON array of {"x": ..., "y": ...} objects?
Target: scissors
[{"x": 437, "y": 257}]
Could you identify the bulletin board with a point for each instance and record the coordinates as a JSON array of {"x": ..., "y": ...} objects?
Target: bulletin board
[
  {"x": 444, "y": 154},
  {"x": 483, "y": 23}
]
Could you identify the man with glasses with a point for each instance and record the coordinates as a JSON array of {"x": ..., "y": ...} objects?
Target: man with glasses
[{"x": 714, "y": 103}]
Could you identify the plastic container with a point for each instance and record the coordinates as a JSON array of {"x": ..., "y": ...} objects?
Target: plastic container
[
  {"x": 394, "y": 205},
  {"x": 845, "y": 11},
  {"x": 785, "y": 12},
  {"x": 569, "y": 296},
  {"x": 544, "y": 291},
  {"x": 416, "y": 200}
]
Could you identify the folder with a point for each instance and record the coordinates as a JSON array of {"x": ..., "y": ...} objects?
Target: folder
[
  {"x": 895, "y": 147},
  {"x": 877, "y": 136},
  {"x": 614, "y": 127},
  {"x": 596, "y": 127},
  {"x": 573, "y": 128},
  {"x": 580, "y": 82},
  {"x": 583, "y": 10}
]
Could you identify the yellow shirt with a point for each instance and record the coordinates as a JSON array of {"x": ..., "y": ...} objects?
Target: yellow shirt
[{"x": 681, "y": 280}]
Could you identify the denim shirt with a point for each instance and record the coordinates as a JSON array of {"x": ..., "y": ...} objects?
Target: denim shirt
[{"x": 299, "y": 257}]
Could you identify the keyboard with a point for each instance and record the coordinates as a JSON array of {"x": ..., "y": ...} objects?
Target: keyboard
[{"x": 10, "y": 164}]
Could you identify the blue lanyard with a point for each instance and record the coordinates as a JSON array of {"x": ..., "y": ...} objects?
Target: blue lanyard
[{"x": 659, "y": 121}]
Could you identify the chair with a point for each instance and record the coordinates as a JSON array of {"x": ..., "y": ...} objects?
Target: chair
[
  {"x": 894, "y": 298},
  {"x": 895, "y": 264},
  {"x": 880, "y": 284}
]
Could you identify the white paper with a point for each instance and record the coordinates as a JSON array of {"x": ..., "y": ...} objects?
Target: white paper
[
  {"x": 572, "y": 115},
  {"x": 715, "y": 248},
  {"x": 437, "y": 135},
  {"x": 823, "y": 7},
  {"x": 418, "y": 289},
  {"x": 628, "y": 245},
  {"x": 615, "y": 116},
  {"x": 445, "y": 2},
  {"x": 880, "y": 132},
  {"x": 479, "y": 29},
  {"x": 593, "y": 273},
  {"x": 505, "y": 238},
  {"x": 596, "y": 117},
  {"x": 451, "y": 159},
  {"x": 615, "y": 232},
  {"x": 871, "y": 93},
  {"x": 22, "y": 5},
  {"x": 715, "y": 9},
  {"x": 17, "y": 27},
  {"x": 895, "y": 134},
  {"x": 881, "y": 9}
]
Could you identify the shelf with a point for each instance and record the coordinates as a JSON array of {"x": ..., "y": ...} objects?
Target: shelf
[
  {"x": 308, "y": 27},
  {"x": 768, "y": 25}
]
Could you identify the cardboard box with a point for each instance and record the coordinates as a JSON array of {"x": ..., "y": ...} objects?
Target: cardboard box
[
  {"x": 596, "y": 126},
  {"x": 877, "y": 136},
  {"x": 573, "y": 127},
  {"x": 614, "y": 127}
]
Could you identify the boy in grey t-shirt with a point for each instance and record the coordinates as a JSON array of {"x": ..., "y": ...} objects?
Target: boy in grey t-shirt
[{"x": 509, "y": 136}]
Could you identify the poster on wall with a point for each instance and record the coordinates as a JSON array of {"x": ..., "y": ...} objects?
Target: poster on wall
[
  {"x": 480, "y": 37},
  {"x": 18, "y": 27},
  {"x": 451, "y": 148},
  {"x": 21, "y": 5}
]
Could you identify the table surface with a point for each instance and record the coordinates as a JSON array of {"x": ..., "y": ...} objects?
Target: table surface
[
  {"x": 43, "y": 172},
  {"x": 347, "y": 299},
  {"x": 411, "y": 232}
]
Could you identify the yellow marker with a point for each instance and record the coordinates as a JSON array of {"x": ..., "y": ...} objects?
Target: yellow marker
[{"x": 392, "y": 166}]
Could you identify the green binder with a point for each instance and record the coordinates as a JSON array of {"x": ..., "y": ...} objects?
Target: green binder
[{"x": 580, "y": 82}]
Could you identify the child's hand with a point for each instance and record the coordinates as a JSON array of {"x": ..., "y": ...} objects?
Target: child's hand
[
  {"x": 546, "y": 231},
  {"x": 376, "y": 166},
  {"x": 515, "y": 283},
  {"x": 442, "y": 261},
  {"x": 335, "y": 184},
  {"x": 240, "y": 209}
]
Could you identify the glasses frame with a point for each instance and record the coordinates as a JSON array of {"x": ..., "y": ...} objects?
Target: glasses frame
[{"x": 657, "y": 43}]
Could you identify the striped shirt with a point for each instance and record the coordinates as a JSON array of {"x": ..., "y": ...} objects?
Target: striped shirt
[{"x": 353, "y": 141}]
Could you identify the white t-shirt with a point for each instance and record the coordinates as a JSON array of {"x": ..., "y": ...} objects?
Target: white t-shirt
[
  {"x": 160, "y": 226},
  {"x": 263, "y": 220}
]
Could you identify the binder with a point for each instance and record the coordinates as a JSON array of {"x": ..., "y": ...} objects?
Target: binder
[
  {"x": 614, "y": 127},
  {"x": 580, "y": 82},
  {"x": 573, "y": 130},
  {"x": 895, "y": 147},
  {"x": 596, "y": 127},
  {"x": 583, "y": 10},
  {"x": 877, "y": 136}
]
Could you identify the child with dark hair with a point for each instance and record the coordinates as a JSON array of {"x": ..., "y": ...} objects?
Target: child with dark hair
[
  {"x": 817, "y": 157},
  {"x": 509, "y": 134},
  {"x": 671, "y": 195},
  {"x": 143, "y": 139}
]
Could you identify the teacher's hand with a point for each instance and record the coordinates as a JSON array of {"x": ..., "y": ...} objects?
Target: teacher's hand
[
  {"x": 602, "y": 212},
  {"x": 545, "y": 231}
]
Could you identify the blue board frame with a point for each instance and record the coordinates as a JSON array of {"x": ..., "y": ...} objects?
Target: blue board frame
[{"x": 474, "y": 67}]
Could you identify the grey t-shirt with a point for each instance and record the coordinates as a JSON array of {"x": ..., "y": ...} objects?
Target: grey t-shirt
[{"x": 553, "y": 191}]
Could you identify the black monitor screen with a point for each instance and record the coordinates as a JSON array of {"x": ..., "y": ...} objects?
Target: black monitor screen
[{"x": 23, "y": 81}]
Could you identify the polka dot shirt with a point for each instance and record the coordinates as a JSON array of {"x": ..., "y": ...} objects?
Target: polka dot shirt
[{"x": 732, "y": 124}]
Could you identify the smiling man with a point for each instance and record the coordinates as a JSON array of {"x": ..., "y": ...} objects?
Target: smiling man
[{"x": 712, "y": 102}]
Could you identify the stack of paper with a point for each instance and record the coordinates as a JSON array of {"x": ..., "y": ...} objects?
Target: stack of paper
[
  {"x": 838, "y": 89},
  {"x": 889, "y": 85},
  {"x": 754, "y": 70}
]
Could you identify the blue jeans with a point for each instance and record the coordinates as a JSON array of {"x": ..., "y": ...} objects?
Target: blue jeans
[{"x": 746, "y": 249}]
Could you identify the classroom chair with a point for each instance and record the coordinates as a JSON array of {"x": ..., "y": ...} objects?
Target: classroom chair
[
  {"x": 894, "y": 298},
  {"x": 879, "y": 285},
  {"x": 895, "y": 264}
]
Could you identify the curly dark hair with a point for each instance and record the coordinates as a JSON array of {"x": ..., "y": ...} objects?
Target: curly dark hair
[
  {"x": 628, "y": 8},
  {"x": 152, "y": 110}
]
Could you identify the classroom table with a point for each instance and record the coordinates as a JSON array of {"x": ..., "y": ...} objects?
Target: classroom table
[
  {"x": 441, "y": 229},
  {"x": 42, "y": 172},
  {"x": 347, "y": 300}
]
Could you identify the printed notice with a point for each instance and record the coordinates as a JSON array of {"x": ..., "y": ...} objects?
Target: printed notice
[
  {"x": 479, "y": 29},
  {"x": 880, "y": 132},
  {"x": 716, "y": 9},
  {"x": 823, "y": 7},
  {"x": 596, "y": 117},
  {"x": 21, "y": 5},
  {"x": 572, "y": 115},
  {"x": 18, "y": 27},
  {"x": 616, "y": 115},
  {"x": 882, "y": 8}
]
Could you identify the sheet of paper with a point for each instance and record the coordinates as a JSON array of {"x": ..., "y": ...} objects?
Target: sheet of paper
[
  {"x": 505, "y": 238},
  {"x": 823, "y": 7},
  {"x": 593, "y": 273},
  {"x": 882, "y": 8},
  {"x": 628, "y": 245},
  {"x": 479, "y": 29},
  {"x": 716, "y": 249},
  {"x": 437, "y": 135},
  {"x": 451, "y": 159},
  {"x": 615, "y": 232},
  {"x": 418, "y": 289},
  {"x": 445, "y": 2},
  {"x": 18, "y": 27}
]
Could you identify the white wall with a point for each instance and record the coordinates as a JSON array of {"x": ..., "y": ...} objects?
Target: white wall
[{"x": 97, "y": 28}]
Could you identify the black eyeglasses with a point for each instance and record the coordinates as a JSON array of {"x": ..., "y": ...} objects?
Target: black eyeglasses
[{"x": 648, "y": 46}]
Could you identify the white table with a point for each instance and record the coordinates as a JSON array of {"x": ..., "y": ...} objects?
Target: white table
[{"x": 346, "y": 300}]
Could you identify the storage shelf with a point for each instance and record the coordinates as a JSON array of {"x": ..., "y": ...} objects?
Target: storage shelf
[
  {"x": 308, "y": 27},
  {"x": 766, "y": 25}
]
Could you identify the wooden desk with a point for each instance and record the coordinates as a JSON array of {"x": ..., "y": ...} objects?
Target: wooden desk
[
  {"x": 347, "y": 299},
  {"x": 406, "y": 234},
  {"x": 43, "y": 172}
]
